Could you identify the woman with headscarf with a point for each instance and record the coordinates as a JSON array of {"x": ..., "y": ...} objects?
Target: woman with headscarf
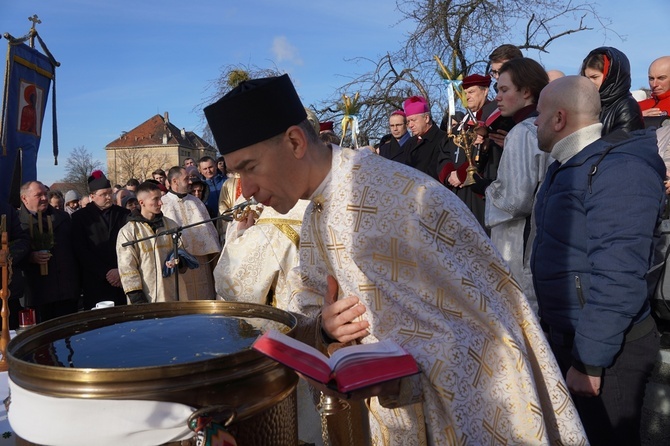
[{"x": 609, "y": 69}]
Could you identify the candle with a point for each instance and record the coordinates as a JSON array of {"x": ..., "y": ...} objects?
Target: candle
[
  {"x": 40, "y": 225},
  {"x": 30, "y": 226},
  {"x": 50, "y": 224}
]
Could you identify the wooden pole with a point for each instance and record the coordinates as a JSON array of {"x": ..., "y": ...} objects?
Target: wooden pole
[{"x": 5, "y": 262}]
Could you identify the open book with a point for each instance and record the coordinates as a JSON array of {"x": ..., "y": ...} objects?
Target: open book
[{"x": 348, "y": 369}]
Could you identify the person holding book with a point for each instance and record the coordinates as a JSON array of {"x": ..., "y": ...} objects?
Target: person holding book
[{"x": 399, "y": 257}]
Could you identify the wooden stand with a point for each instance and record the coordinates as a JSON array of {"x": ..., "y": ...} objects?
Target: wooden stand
[{"x": 5, "y": 263}]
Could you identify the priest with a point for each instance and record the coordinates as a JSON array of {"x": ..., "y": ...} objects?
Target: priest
[
  {"x": 386, "y": 252},
  {"x": 201, "y": 240}
]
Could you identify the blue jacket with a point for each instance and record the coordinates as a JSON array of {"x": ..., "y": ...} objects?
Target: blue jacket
[
  {"x": 595, "y": 242},
  {"x": 212, "y": 202}
]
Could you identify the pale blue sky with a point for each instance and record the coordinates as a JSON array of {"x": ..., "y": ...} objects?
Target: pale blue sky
[{"x": 124, "y": 61}]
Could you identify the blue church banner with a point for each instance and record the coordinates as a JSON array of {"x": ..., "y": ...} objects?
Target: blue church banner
[{"x": 27, "y": 79}]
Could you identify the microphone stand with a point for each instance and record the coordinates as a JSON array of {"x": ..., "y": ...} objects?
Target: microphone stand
[{"x": 175, "y": 235}]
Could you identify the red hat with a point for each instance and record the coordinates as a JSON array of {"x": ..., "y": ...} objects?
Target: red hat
[
  {"x": 399, "y": 113},
  {"x": 415, "y": 105},
  {"x": 326, "y": 126},
  {"x": 476, "y": 79}
]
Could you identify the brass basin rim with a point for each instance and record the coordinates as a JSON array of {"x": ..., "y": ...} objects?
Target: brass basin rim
[{"x": 67, "y": 325}]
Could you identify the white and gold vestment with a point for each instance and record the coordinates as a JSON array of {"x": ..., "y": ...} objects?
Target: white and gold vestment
[
  {"x": 141, "y": 264},
  {"x": 201, "y": 241},
  {"x": 255, "y": 263},
  {"x": 431, "y": 280}
]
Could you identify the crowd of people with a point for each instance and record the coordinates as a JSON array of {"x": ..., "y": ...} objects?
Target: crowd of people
[{"x": 507, "y": 248}]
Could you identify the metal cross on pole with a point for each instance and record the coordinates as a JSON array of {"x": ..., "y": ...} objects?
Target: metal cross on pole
[{"x": 35, "y": 21}]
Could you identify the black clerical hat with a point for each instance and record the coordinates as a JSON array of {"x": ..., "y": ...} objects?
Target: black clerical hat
[
  {"x": 98, "y": 181},
  {"x": 254, "y": 111}
]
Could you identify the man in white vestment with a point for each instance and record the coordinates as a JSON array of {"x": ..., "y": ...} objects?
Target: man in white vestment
[
  {"x": 254, "y": 263},
  {"x": 141, "y": 264},
  {"x": 509, "y": 199},
  {"x": 201, "y": 241},
  {"x": 253, "y": 267},
  {"x": 407, "y": 261}
]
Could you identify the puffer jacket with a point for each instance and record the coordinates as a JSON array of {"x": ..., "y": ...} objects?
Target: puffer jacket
[
  {"x": 620, "y": 110},
  {"x": 595, "y": 243}
]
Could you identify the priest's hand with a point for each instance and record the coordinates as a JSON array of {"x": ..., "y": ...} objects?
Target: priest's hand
[
  {"x": 247, "y": 222},
  {"x": 341, "y": 319},
  {"x": 581, "y": 384}
]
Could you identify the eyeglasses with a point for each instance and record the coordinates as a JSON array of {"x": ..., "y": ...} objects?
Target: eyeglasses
[{"x": 494, "y": 73}]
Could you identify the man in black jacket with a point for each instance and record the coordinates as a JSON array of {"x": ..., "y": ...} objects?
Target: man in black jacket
[
  {"x": 422, "y": 151},
  {"x": 393, "y": 148},
  {"x": 95, "y": 229},
  {"x": 19, "y": 248},
  {"x": 54, "y": 290}
]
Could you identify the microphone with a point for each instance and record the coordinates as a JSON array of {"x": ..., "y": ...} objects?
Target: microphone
[
  {"x": 250, "y": 202},
  {"x": 233, "y": 213}
]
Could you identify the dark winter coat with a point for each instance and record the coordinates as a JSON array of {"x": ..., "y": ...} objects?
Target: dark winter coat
[
  {"x": 94, "y": 241},
  {"x": 424, "y": 154},
  {"x": 595, "y": 243},
  {"x": 392, "y": 150},
  {"x": 62, "y": 282},
  {"x": 19, "y": 247}
]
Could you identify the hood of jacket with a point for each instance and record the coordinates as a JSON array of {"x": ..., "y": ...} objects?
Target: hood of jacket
[
  {"x": 155, "y": 223},
  {"x": 616, "y": 83}
]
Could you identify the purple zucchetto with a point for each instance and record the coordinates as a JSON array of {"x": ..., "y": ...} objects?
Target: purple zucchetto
[{"x": 415, "y": 105}]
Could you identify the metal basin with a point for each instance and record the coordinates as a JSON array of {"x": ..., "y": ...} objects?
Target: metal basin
[{"x": 246, "y": 381}]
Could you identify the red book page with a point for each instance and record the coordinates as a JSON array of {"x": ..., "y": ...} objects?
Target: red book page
[
  {"x": 353, "y": 376},
  {"x": 294, "y": 354}
]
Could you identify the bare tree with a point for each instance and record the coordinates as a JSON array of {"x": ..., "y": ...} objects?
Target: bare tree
[
  {"x": 462, "y": 33},
  {"x": 125, "y": 164},
  {"x": 78, "y": 167},
  {"x": 230, "y": 77}
]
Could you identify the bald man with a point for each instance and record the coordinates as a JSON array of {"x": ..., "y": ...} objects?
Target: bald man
[
  {"x": 555, "y": 74},
  {"x": 659, "y": 83},
  {"x": 591, "y": 253}
]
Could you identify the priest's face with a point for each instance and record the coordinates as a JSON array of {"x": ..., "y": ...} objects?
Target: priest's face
[
  {"x": 398, "y": 126},
  {"x": 102, "y": 198},
  {"x": 476, "y": 97},
  {"x": 181, "y": 183},
  {"x": 269, "y": 171},
  {"x": 419, "y": 124}
]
